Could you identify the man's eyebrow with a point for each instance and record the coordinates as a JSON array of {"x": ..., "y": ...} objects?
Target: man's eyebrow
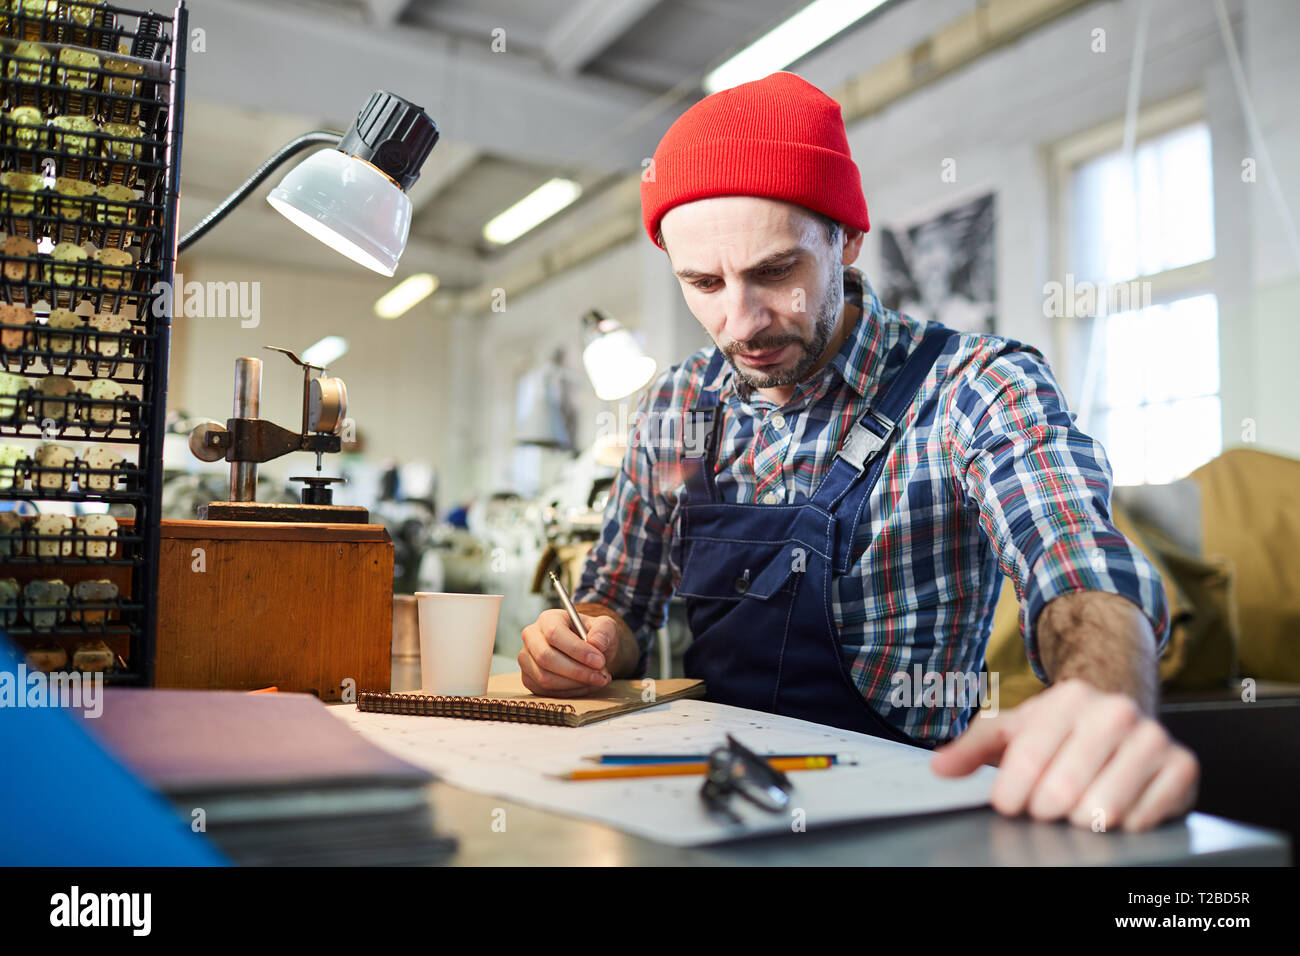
[{"x": 765, "y": 263}]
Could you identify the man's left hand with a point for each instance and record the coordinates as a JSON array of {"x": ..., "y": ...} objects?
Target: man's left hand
[{"x": 1077, "y": 752}]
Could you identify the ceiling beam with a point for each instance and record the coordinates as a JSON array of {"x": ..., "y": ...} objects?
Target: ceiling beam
[
  {"x": 447, "y": 161},
  {"x": 948, "y": 48},
  {"x": 316, "y": 64},
  {"x": 608, "y": 218},
  {"x": 589, "y": 28},
  {"x": 385, "y": 13}
]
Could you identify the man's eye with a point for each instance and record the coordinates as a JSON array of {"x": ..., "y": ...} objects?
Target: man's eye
[
  {"x": 777, "y": 272},
  {"x": 704, "y": 284}
]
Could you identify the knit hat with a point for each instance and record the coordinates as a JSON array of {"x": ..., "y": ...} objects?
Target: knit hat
[{"x": 779, "y": 137}]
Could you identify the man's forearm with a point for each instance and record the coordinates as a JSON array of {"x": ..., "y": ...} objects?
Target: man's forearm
[
  {"x": 1103, "y": 639},
  {"x": 629, "y": 652}
]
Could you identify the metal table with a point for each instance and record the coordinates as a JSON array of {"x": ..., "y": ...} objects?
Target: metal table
[
  {"x": 983, "y": 837},
  {"x": 532, "y": 837}
]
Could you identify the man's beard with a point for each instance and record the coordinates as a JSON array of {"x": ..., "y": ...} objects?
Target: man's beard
[{"x": 810, "y": 352}]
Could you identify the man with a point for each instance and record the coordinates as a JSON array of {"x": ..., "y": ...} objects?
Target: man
[{"x": 836, "y": 490}]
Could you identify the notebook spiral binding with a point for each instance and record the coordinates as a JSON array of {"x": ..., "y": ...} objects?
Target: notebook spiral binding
[{"x": 470, "y": 708}]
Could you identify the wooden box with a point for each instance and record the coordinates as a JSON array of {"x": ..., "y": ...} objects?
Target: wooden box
[{"x": 249, "y": 604}]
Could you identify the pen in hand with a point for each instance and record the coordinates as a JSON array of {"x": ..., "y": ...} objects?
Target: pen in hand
[{"x": 568, "y": 606}]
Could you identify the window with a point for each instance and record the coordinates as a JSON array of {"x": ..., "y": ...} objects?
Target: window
[
  {"x": 1138, "y": 239},
  {"x": 1157, "y": 408}
]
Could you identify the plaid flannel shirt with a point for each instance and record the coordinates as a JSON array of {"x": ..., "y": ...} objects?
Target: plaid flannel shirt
[{"x": 988, "y": 476}]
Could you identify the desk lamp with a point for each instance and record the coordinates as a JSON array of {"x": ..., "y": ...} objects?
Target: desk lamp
[
  {"x": 614, "y": 360},
  {"x": 351, "y": 197}
]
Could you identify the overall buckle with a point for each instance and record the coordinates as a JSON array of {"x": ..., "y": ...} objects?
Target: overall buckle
[{"x": 862, "y": 443}]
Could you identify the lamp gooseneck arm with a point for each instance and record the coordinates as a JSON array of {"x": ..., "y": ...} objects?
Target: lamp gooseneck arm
[{"x": 290, "y": 149}]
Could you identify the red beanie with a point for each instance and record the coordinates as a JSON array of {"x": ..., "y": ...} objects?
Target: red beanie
[{"x": 779, "y": 137}]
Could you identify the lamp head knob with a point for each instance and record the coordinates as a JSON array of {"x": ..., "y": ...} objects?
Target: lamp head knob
[{"x": 392, "y": 134}]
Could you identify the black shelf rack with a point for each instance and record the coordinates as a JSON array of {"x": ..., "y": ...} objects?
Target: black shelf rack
[{"x": 91, "y": 107}]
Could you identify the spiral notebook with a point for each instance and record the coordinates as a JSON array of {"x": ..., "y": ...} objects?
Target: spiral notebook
[{"x": 508, "y": 699}]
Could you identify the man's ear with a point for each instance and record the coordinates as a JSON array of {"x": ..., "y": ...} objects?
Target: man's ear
[{"x": 852, "y": 245}]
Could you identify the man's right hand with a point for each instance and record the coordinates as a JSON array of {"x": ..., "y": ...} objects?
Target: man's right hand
[{"x": 556, "y": 662}]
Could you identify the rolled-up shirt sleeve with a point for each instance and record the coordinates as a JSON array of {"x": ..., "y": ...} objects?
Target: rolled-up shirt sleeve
[
  {"x": 629, "y": 570},
  {"x": 1043, "y": 490}
]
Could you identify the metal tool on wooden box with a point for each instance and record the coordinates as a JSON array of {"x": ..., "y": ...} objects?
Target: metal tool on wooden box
[{"x": 246, "y": 440}]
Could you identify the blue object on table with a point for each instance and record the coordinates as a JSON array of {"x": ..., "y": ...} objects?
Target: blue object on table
[
  {"x": 67, "y": 802},
  {"x": 637, "y": 759}
]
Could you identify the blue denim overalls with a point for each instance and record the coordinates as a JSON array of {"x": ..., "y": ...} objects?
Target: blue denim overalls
[{"x": 757, "y": 578}]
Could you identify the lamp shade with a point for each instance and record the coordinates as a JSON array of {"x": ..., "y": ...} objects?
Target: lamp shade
[
  {"x": 349, "y": 205},
  {"x": 616, "y": 365}
]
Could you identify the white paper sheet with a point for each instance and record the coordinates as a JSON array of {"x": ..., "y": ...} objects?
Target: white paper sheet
[{"x": 513, "y": 761}]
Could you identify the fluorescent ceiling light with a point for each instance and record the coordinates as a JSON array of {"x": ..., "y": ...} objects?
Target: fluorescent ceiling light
[
  {"x": 806, "y": 30},
  {"x": 327, "y": 350},
  {"x": 538, "y": 206},
  {"x": 405, "y": 295}
]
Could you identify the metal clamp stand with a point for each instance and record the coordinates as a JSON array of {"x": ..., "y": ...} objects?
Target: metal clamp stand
[{"x": 245, "y": 440}]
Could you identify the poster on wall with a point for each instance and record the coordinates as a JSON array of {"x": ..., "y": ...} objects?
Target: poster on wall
[{"x": 943, "y": 269}]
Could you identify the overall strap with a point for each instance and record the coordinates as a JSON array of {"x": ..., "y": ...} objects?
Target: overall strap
[
  {"x": 703, "y": 429},
  {"x": 861, "y": 458}
]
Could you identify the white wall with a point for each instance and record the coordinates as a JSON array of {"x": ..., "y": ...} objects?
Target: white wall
[
  {"x": 395, "y": 371},
  {"x": 1266, "y": 386},
  {"x": 493, "y": 349}
]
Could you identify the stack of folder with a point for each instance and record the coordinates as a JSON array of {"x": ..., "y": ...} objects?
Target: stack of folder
[{"x": 273, "y": 779}]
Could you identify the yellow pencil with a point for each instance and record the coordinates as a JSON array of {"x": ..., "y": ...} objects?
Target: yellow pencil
[{"x": 687, "y": 769}]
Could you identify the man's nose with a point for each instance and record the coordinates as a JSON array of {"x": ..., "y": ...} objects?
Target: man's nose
[{"x": 747, "y": 316}]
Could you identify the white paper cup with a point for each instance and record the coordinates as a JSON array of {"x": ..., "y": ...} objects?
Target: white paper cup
[{"x": 457, "y": 632}]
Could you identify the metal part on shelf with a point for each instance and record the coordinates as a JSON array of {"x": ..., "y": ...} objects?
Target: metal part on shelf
[{"x": 91, "y": 179}]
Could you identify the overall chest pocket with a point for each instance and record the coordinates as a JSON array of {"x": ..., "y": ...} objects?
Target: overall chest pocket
[{"x": 753, "y": 558}]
